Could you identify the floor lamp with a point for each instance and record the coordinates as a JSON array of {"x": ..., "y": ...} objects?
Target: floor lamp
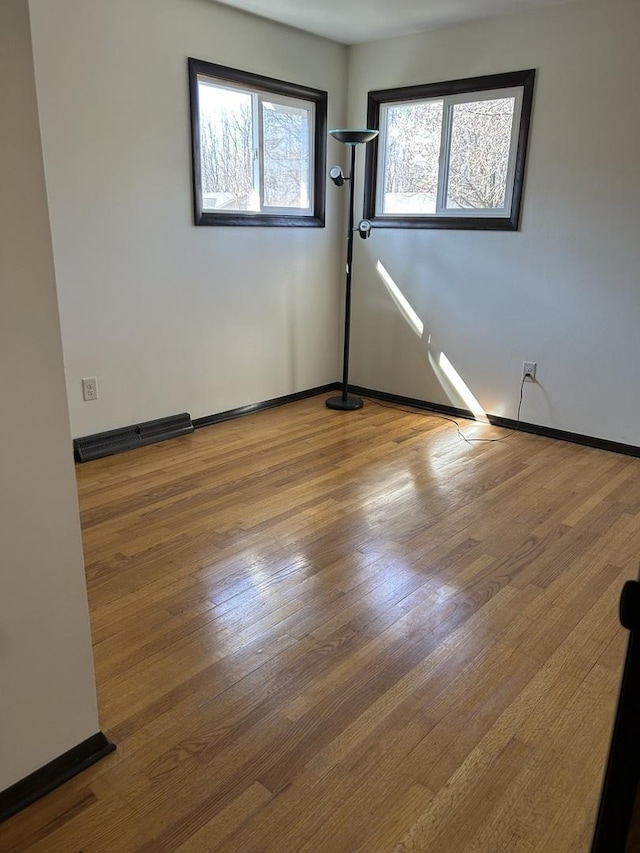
[{"x": 353, "y": 138}]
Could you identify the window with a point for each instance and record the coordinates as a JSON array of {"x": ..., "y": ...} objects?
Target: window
[
  {"x": 259, "y": 149},
  {"x": 449, "y": 155}
]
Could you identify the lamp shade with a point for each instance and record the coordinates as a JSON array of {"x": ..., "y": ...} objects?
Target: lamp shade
[{"x": 353, "y": 137}]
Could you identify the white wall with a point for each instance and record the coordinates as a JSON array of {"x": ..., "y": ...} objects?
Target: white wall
[
  {"x": 565, "y": 290},
  {"x": 46, "y": 669},
  {"x": 168, "y": 316},
  {"x": 173, "y": 318}
]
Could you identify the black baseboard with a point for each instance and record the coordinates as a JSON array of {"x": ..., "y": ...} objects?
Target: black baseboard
[
  {"x": 230, "y": 414},
  {"x": 496, "y": 420},
  {"x": 413, "y": 402},
  {"x": 53, "y": 774},
  {"x": 128, "y": 438}
]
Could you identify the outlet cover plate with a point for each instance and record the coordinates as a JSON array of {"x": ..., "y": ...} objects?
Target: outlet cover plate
[{"x": 90, "y": 389}]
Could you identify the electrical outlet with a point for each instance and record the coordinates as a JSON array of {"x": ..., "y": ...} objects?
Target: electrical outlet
[
  {"x": 529, "y": 371},
  {"x": 90, "y": 389}
]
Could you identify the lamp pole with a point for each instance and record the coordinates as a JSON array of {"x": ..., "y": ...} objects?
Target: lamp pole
[{"x": 353, "y": 138}]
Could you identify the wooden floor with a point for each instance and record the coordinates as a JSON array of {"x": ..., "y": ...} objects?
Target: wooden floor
[{"x": 319, "y": 631}]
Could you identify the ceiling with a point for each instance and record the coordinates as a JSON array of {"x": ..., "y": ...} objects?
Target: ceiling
[{"x": 353, "y": 21}]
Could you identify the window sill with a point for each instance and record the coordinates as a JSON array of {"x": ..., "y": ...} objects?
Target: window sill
[
  {"x": 258, "y": 220},
  {"x": 449, "y": 223}
]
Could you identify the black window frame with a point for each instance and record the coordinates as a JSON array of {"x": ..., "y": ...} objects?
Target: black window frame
[
  {"x": 511, "y": 222},
  {"x": 269, "y": 85}
]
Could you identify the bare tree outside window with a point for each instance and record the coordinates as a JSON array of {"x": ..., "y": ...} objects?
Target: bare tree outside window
[
  {"x": 286, "y": 155},
  {"x": 479, "y": 153},
  {"x": 237, "y": 127},
  {"x": 226, "y": 141},
  {"x": 476, "y": 170},
  {"x": 413, "y": 134}
]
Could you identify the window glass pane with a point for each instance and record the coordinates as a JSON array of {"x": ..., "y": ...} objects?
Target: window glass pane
[
  {"x": 226, "y": 144},
  {"x": 479, "y": 154},
  {"x": 411, "y": 157},
  {"x": 286, "y": 155}
]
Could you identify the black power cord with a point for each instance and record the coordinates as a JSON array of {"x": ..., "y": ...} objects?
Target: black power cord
[{"x": 461, "y": 435}]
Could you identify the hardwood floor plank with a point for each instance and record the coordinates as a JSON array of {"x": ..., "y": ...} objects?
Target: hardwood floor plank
[
  {"x": 228, "y": 821},
  {"x": 327, "y": 633}
]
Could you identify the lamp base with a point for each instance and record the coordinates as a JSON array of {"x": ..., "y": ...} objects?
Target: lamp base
[{"x": 348, "y": 405}]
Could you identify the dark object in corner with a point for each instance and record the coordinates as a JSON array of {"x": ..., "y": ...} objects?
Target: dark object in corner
[
  {"x": 53, "y": 774},
  {"x": 126, "y": 438},
  {"x": 618, "y": 820}
]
